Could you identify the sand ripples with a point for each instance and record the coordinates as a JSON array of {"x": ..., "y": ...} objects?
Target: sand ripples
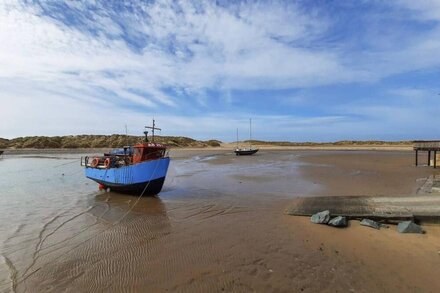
[
  {"x": 91, "y": 249},
  {"x": 200, "y": 237},
  {"x": 86, "y": 247}
]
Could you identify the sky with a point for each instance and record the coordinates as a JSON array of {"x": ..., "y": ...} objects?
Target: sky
[{"x": 302, "y": 70}]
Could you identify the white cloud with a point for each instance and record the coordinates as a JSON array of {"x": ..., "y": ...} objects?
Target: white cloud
[
  {"x": 237, "y": 50},
  {"x": 115, "y": 60},
  {"x": 425, "y": 9},
  {"x": 414, "y": 94}
]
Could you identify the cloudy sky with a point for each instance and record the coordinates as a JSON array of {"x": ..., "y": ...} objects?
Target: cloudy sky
[{"x": 302, "y": 70}]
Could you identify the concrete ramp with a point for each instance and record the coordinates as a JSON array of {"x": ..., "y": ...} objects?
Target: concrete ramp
[{"x": 424, "y": 208}]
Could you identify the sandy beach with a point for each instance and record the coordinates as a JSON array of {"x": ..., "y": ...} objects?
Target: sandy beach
[
  {"x": 373, "y": 260},
  {"x": 219, "y": 225}
]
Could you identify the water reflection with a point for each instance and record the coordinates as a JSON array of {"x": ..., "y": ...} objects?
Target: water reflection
[
  {"x": 115, "y": 207},
  {"x": 113, "y": 229}
]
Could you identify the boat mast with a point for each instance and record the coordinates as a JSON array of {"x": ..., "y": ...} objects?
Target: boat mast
[
  {"x": 152, "y": 129},
  {"x": 250, "y": 133},
  {"x": 237, "y": 138}
]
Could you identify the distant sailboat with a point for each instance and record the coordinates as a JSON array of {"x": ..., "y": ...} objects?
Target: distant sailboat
[{"x": 246, "y": 151}]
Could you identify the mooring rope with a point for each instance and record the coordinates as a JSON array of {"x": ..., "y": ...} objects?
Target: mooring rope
[
  {"x": 139, "y": 197},
  {"x": 68, "y": 163}
]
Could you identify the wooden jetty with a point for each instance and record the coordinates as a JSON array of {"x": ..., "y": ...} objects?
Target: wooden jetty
[
  {"x": 423, "y": 208},
  {"x": 430, "y": 146}
]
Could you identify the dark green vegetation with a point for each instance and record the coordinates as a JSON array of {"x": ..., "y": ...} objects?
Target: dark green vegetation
[
  {"x": 3, "y": 143},
  {"x": 97, "y": 141}
]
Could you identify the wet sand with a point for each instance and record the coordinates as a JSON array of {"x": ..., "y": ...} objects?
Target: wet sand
[
  {"x": 379, "y": 260},
  {"x": 219, "y": 225}
]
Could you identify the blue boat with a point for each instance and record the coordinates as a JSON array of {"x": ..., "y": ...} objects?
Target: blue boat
[{"x": 138, "y": 169}]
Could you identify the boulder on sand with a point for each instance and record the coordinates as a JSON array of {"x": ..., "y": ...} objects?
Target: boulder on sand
[
  {"x": 370, "y": 223},
  {"x": 338, "y": 221},
  {"x": 321, "y": 217},
  {"x": 409, "y": 227}
]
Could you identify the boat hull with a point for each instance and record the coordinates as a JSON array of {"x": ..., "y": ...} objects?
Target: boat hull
[
  {"x": 245, "y": 152},
  {"x": 152, "y": 187},
  {"x": 145, "y": 178}
]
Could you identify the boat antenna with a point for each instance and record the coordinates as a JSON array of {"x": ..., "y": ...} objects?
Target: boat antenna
[
  {"x": 152, "y": 130},
  {"x": 126, "y": 135}
]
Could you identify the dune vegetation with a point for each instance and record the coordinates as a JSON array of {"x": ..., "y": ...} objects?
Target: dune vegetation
[
  {"x": 97, "y": 141},
  {"x": 118, "y": 140},
  {"x": 337, "y": 143}
]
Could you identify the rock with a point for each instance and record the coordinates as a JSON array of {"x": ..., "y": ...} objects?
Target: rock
[
  {"x": 370, "y": 223},
  {"x": 339, "y": 221},
  {"x": 409, "y": 227},
  {"x": 321, "y": 217}
]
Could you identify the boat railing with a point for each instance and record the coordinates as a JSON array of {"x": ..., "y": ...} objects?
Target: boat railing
[
  {"x": 84, "y": 161},
  {"x": 117, "y": 160}
]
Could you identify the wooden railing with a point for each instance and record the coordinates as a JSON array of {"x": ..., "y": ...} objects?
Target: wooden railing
[{"x": 427, "y": 144}]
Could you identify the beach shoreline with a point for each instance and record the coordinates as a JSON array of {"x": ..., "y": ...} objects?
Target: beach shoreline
[{"x": 224, "y": 147}]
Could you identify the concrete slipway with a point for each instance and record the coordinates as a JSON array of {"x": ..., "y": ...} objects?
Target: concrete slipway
[{"x": 424, "y": 206}]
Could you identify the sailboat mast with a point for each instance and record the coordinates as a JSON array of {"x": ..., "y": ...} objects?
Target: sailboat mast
[
  {"x": 237, "y": 138},
  {"x": 250, "y": 133}
]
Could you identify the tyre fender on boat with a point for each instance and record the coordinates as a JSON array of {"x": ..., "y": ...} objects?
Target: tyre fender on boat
[
  {"x": 94, "y": 162},
  {"x": 107, "y": 163}
]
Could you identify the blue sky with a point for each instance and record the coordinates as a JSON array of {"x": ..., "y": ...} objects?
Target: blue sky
[{"x": 302, "y": 70}]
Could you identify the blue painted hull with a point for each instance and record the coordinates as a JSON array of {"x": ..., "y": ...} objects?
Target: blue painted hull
[{"x": 147, "y": 177}]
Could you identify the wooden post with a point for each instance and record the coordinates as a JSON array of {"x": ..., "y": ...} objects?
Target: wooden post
[
  {"x": 429, "y": 158},
  {"x": 417, "y": 157},
  {"x": 435, "y": 159}
]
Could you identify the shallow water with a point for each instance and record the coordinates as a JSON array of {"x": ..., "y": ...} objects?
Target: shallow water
[{"x": 59, "y": 232}]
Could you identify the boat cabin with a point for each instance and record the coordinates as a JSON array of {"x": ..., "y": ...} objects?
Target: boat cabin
[{"x": 148, "y": 151}]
